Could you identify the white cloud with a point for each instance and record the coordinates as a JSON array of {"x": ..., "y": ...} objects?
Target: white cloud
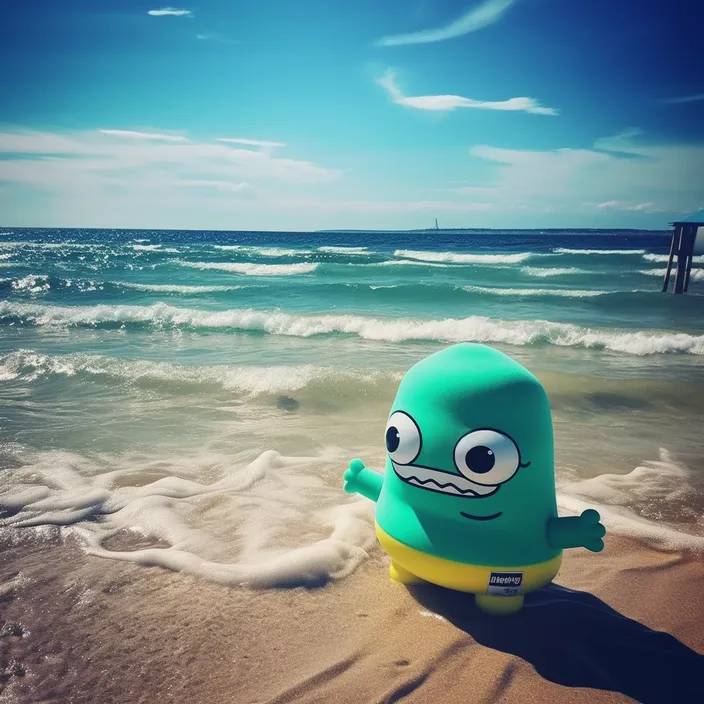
[
  {"x": 648, "y": 179},
  {"x": 129, "y": 134},
  {"x": 626, "y": 207},
  {"x": 218, "y": 185},
  {"x": 477, "y": 18},
  {"x": 686, "y": 99},
  {"x": 212, "y": 37},
  {"x": 382, "y": 206},
  {"x": 170, "y": 12},
  {"x": 251, "y": 142},
  {"x": 106, "y": 159},
  {"x": 451, "y": 102}
]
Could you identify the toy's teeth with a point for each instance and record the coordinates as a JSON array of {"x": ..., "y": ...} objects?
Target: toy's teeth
[
  {"x": 443, "y": 482},
  {"x": 448, "y": 488}
]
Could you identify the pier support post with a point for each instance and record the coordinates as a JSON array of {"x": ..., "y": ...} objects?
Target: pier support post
[
  {"x": 673, "y": 246},
  {"x": 684, "y": 257}
]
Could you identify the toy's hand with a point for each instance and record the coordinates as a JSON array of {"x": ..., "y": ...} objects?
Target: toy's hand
[
  {"x": 591, "y": 531},
  {"x": 583, "y": 531},
  {"x": 351, "y": 476}
]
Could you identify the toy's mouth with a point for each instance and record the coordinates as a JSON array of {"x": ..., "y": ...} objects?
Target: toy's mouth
[
  {"x": 441, "y": 481},
  {"x": 482, "y": 518}
]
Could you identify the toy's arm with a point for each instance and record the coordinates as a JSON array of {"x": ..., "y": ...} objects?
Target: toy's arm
[
  {"x": 583, "y": 531},
  {"x": 361, "y": 480}
]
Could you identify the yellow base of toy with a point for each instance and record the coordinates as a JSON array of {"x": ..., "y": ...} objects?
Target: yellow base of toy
[{"x": 411, "y": 566}]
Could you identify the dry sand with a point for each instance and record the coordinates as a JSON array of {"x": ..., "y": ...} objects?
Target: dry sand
[{"x": 627, "y": 624}]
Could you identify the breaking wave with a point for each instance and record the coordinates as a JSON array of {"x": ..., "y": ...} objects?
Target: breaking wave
[
  {"x": 470, "y": 329},
  {"x": 249, "y": 269},
  {"x": 454, "y": 258},
  {"x": 262, "y": 251},
  {"x": 29, "y": 366},
  {"x": 542, "y": 272},
  {"x": 695, "y": 274},
  {"x": 565, "y": 250},
  {"x": 345, "y": 250},
  {"x": 174, "y": 288},
  {"x": 566, "y": 293},
  {"x": 662, "y": 258}
]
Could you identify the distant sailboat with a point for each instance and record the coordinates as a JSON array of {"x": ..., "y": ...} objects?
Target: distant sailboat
[{"x": 436, "y": 224}]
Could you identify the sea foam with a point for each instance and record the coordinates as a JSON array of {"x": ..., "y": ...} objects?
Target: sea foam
[
  {"x": 694, "y": 274},
  {"x": 471, "y": 329},
  {"x": 30, "y": 365},
  {"x": 154, "y": 248},
  {"x": 565, "y": 250},
  {"x": 173, "y": 288},
  {"x": 249, "y": 269},
  {"x": 542, "y": 272},
  {"x": 697, "y": 259},
  {"x": 646, "y": 503},
  {"x": 274, "y": 521},
  {"x": 455, "y": 258},
  {"x": 262, "y": 251},
  {"x": 278, "y": 519},
  {"x": 345, "y": 250},
  {"x": 565, "y": 293}
]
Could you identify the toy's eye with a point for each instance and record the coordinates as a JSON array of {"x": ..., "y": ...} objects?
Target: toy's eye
[
  {"x": 487, "y": 457},
  {"x": 402, "y": 438}
]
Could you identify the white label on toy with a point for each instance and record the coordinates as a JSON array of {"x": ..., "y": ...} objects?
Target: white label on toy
[{"x": 505, "y": 583}]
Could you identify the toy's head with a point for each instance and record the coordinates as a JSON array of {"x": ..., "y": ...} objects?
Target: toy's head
[{"x": 469, "y": 438}]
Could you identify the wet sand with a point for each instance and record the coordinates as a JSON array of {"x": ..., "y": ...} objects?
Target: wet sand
[{"x": 624, "y": 625}]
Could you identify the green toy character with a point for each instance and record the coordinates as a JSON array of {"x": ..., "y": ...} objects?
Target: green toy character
[{"x": 468, "y": 498}]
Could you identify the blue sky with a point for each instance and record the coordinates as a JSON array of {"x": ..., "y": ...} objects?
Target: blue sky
[{"x": 374, "y": 114}]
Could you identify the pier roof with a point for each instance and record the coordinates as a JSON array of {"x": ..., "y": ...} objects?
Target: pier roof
[{"x": 696, "y": 219}]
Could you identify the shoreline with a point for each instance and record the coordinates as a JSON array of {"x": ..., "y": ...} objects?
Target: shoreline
[{"x": 627, "y": 622}]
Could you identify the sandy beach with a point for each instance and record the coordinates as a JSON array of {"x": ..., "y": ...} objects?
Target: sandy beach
[{"x": 624, "y": 625}]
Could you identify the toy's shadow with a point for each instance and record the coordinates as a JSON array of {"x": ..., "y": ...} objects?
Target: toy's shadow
[{"x": 574, "y": 639}]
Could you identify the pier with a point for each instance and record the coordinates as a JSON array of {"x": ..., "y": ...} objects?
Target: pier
[{"x": 682, "y": 246}]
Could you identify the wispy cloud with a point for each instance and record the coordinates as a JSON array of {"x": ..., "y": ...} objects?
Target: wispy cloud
[
  {"x": 97, "y": 159},
  {"x": 130, "y": 134},
  {"x": 479, "y": 17},
  {"x": 685, "y": 99},
  {"x": 251, "y": 142},
  {"x": 596, "y": 178},
  {"x": 382, "y": 206},
  {"x": 445, "y": 103},
  {"x": 170, "y": 12},
  {"x": 218, "y": 185},
  {"x": 626, "y": 207},
  {"x": 214, "y": 37}
]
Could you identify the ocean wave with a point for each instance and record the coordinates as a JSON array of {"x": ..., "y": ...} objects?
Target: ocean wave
[
  {"x": 543, "y": 272},
  {"x": 641, "y": 503},
  {"x": 262, "y": 251},
  {"x": 32, "y": 283},
  {"x": 455, "y": 258},
  {"x": 173, "y": 288},
  {"x": 155, "y": 248},
  {"x": 406, "y": 262},
  {"x": 567, "y": 293},
  {"x": 249, "y": 269},
  {"x": 345, "y": 250},
  {"x": 471, "y": 329},
  {"x": 565, "y": 250},
  {"x": 52, "y": 245},
  {"x": 6, "y": 256},
  {"x": 29, "y": 365},
  {"x": 694, "y": 274},
  {"x": 662, "y": 258}
]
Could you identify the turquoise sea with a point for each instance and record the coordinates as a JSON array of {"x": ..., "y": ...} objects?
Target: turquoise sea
[{"x": 191, "y": 399}]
